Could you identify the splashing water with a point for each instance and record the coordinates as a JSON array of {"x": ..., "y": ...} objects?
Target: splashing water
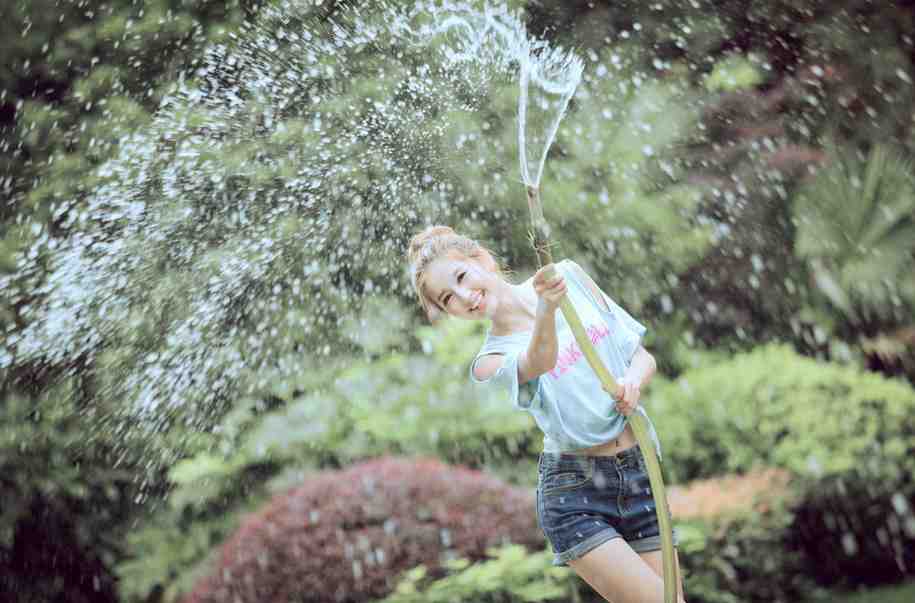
[
  {"x": 554, "y": 72},
  {"x": 228, "y": 238},
  {"x": 555, "y": 78}
]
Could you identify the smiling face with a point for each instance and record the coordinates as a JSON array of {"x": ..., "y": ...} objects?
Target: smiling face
[{"x": 462, "y": 287}]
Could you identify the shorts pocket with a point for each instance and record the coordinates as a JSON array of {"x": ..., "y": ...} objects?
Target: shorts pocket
[{"x": 559, "y": 479}]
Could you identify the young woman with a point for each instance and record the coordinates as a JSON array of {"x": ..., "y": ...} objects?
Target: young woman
[{"x": 594, "y": 503}]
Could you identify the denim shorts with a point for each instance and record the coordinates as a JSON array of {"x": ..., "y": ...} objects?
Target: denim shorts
[{"x": 584, "y": 501}]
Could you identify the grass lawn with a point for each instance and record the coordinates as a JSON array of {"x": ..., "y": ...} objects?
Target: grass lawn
[{"x": 904, "y": 593}]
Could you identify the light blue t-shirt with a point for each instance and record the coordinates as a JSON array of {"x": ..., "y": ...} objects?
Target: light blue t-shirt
[{"x": 568, "y": 402}]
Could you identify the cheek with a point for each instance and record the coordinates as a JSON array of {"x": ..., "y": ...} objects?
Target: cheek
[{"x": 481, "y": 276}]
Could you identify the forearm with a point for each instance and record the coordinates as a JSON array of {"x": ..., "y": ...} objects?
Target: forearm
[
  {"x": 641, "y": 369},
  {"x": 542, "y": 351}
]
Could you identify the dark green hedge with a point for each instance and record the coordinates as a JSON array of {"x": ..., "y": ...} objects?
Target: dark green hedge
[
  {"x": 846, "y": 436},
  {"x": 773, "y": 407}
]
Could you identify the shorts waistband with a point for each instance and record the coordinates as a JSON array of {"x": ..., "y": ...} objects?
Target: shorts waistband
[{"x": 565, "y": 459}]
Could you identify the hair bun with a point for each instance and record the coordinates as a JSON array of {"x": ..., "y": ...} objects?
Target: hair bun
[{"x": 420, "y": 239}]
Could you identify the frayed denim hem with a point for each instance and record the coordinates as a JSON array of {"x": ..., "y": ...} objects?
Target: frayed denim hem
[
  {"x": 585, "y": 546},
  {"x": 643, "y": 545}
]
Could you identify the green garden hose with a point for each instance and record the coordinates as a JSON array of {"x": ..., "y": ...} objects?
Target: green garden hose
[{"x": 540, "y": 238}]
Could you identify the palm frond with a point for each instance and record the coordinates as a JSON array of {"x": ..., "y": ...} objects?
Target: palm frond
[{"x": 856, "y": 229}]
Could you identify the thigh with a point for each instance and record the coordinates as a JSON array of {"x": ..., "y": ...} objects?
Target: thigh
[
  {"x": 655, "y": 560},
  {"x": 619, "y": 574}
]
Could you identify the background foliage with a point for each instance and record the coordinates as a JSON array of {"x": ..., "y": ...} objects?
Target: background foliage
[{"x": 734, "y": 173}]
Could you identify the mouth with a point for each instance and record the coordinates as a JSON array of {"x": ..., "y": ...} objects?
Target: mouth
[{"x": 479, "y": 303}]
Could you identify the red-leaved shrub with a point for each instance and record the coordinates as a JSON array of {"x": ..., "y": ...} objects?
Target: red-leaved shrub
[
  {"x": 346, "y": 536},
  {"x": 728, "y": 495}
]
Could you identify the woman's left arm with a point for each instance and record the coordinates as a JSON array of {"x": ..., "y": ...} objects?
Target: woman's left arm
[
  {"x": 639, "y": 373},
  {"x": 641, "y": 368}
]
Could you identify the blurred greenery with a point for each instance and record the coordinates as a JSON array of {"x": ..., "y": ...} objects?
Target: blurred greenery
[
  {"x": 813, "y": 418},
  {"x": 736, "y": 174},
  {"x": 845, "y": 436},
  {"x": 855, "y": 226},
  {"x": 512, "y": 574},
  {"x": 888, "y": 594}
]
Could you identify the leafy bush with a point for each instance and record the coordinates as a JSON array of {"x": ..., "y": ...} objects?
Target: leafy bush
[
  {"x": 858, "y": 529},
  {"x": 404, "y": 403},
  {"x": 903, "y": 593},
  {"x": 171, "y": 552},
  {"x": 68, "y": 492},
  {"x": 743, "y": 557},
  {"x": 349, "y": 535},
  {"x": 733, "y": 531},
  {"x": 512, "y": 574},
  {"x": 847, "y": 437},
  {"x": 773, "y": 407}
]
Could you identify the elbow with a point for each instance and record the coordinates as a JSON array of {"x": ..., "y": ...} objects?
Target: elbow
[
  {"x": 541, "y": 367},
  {"x": 545, "y": 368},
  {"x": 538, "y": 364},
  {"x": 651, "y": 365}
]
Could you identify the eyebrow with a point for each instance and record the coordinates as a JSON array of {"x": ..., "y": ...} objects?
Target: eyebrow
[{"x": 438, "y": 299}]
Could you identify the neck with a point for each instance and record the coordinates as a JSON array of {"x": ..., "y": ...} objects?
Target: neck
[{"x": 517, "y": 309}]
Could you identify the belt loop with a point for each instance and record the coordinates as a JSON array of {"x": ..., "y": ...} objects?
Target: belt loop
[{"x": 621, "y": 458}]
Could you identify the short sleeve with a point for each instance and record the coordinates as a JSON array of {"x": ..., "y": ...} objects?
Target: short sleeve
[
  {"x": 522, "y": 396},
  {"x": 632, "y": 330}
]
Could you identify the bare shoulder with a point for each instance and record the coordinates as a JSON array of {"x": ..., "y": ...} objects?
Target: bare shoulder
[
  {"x": 589, "y": 283},
  {"x": 486, "y": 366}
]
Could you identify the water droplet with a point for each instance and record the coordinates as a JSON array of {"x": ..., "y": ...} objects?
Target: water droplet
[{"x": 849, "y": 544}]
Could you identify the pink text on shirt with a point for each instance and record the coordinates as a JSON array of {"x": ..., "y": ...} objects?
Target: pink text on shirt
[{"x": 571, "y": 353}]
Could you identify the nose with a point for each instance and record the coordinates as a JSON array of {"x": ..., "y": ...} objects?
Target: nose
[{"x": 464, "y": 294}]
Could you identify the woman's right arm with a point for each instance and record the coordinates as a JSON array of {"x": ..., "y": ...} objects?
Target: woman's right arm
[
  {"x": 540, "y": 356},
  {"x": 541, "y": 353}
]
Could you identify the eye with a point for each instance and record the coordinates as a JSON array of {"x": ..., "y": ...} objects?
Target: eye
[{"x": 461, "y": 276}]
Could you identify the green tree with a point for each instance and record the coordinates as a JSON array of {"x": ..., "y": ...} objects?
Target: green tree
[
  {"x": 810, "y": 73},
  {"x": 75, "y": 77}
]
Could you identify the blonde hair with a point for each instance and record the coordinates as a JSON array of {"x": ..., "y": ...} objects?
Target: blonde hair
[{"x": 432, "y": 243}]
